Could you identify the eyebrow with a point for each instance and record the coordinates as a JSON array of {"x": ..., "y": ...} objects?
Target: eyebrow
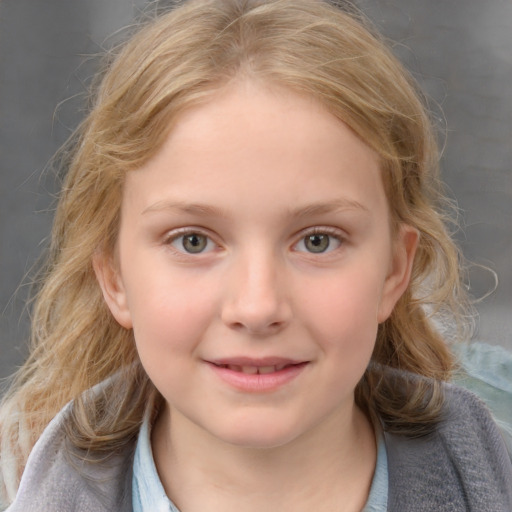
[
  {"x": 205, "y": 210},
  {"x": 190, "y": 208},
  {"x": 322, "y": 208}
]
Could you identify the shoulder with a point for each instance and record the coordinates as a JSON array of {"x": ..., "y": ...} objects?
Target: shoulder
[
  {"x": 486, "y": 370},
  {"x": 62, "y": 479},
  {"x": 462, "y": 465},
  {"x": 469, "y": 430}
]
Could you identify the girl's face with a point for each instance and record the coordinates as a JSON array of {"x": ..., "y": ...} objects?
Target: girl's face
[{"x": 255, "y": 262}]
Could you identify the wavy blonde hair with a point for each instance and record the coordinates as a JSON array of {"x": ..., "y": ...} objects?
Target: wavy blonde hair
[{"x": 173, "y": 62}]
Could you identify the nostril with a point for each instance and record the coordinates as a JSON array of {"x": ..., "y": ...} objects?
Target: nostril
[
  {"x": 256, "y": 317},
  {"x": 254, "y": 329}
]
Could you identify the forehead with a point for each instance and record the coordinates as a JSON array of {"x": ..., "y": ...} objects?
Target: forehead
[{"x": 249, "y": 139}]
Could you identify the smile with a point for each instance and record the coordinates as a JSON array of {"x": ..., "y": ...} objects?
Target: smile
[
  {"x": 253, "y": 370},
  {"x": 262, "y": 376}
]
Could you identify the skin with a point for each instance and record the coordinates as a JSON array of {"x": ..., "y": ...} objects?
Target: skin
[{"x": 254, "y": 174}]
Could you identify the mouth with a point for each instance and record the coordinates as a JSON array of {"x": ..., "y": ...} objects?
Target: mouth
[
  {"x": 256, "y": 370},
  {"x": 257, "y": 375}
]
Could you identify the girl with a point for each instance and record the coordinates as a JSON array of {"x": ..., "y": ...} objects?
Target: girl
[{"x": 249, "y": 268}]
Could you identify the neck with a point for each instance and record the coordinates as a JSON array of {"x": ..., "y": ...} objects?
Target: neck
[{"x": 330, "y": 465}]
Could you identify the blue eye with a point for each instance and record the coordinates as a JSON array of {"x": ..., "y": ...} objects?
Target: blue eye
[
  {"x": 318, "y": 243},
  {"x": 192, "y": 243}
]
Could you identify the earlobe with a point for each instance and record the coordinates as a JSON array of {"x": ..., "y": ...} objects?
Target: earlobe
[
  {"x": 112, "y": 288},
  {"x": 400, "y": 271}
]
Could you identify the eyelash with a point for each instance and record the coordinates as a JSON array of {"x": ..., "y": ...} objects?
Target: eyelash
[
  {"x": 332, "y": 233},
  {"x": 175, "y": 237}
]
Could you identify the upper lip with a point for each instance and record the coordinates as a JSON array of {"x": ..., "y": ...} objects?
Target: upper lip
[{"x": 255, "y": 362}]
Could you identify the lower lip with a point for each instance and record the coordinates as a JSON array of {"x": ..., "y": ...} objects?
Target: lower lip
[{"x": 258, "y": 383}]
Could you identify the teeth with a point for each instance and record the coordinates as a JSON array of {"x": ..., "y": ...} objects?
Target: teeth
[
  {"x": 266, "y": 369},
  {"x": 251, "y": 370}
]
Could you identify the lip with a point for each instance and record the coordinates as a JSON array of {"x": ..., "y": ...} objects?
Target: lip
[
  {"x": 255, "y": 361},
  {"x": 243, "y": 373}
]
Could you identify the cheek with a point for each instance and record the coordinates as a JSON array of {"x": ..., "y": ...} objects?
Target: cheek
[
  {"x": 168, "y": 330},
  {"x": 169, "y": 314},
  {"x": 342, "y": 311}
]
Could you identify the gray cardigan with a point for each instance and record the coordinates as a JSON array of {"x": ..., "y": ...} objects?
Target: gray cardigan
[{"x": 462, "y": 466}]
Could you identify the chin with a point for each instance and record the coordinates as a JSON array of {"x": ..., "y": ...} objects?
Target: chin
[{"x": 259, "y": 435}]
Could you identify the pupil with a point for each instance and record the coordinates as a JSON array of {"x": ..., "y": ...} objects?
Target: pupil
[
  {"x": 194, "y": 243},
  {"x": 317, "y": 243}
]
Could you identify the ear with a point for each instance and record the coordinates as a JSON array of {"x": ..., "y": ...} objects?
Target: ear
[
  {"x": 399, "y": 274},
  {"x": 111, "y": 284}
]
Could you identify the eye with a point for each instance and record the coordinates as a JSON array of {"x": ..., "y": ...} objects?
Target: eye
[
  {"x": 318, "y": 242},
  {"x": 192, "y": 243}
]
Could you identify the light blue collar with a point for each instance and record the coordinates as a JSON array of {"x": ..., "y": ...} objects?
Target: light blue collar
[{"x": 148, "y": 494}]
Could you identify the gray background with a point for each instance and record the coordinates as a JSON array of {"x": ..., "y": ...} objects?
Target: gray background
[{"x": 459, "y": 50}]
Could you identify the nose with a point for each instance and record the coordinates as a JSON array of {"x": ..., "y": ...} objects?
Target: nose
[{"x": 257, "y": 296}]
